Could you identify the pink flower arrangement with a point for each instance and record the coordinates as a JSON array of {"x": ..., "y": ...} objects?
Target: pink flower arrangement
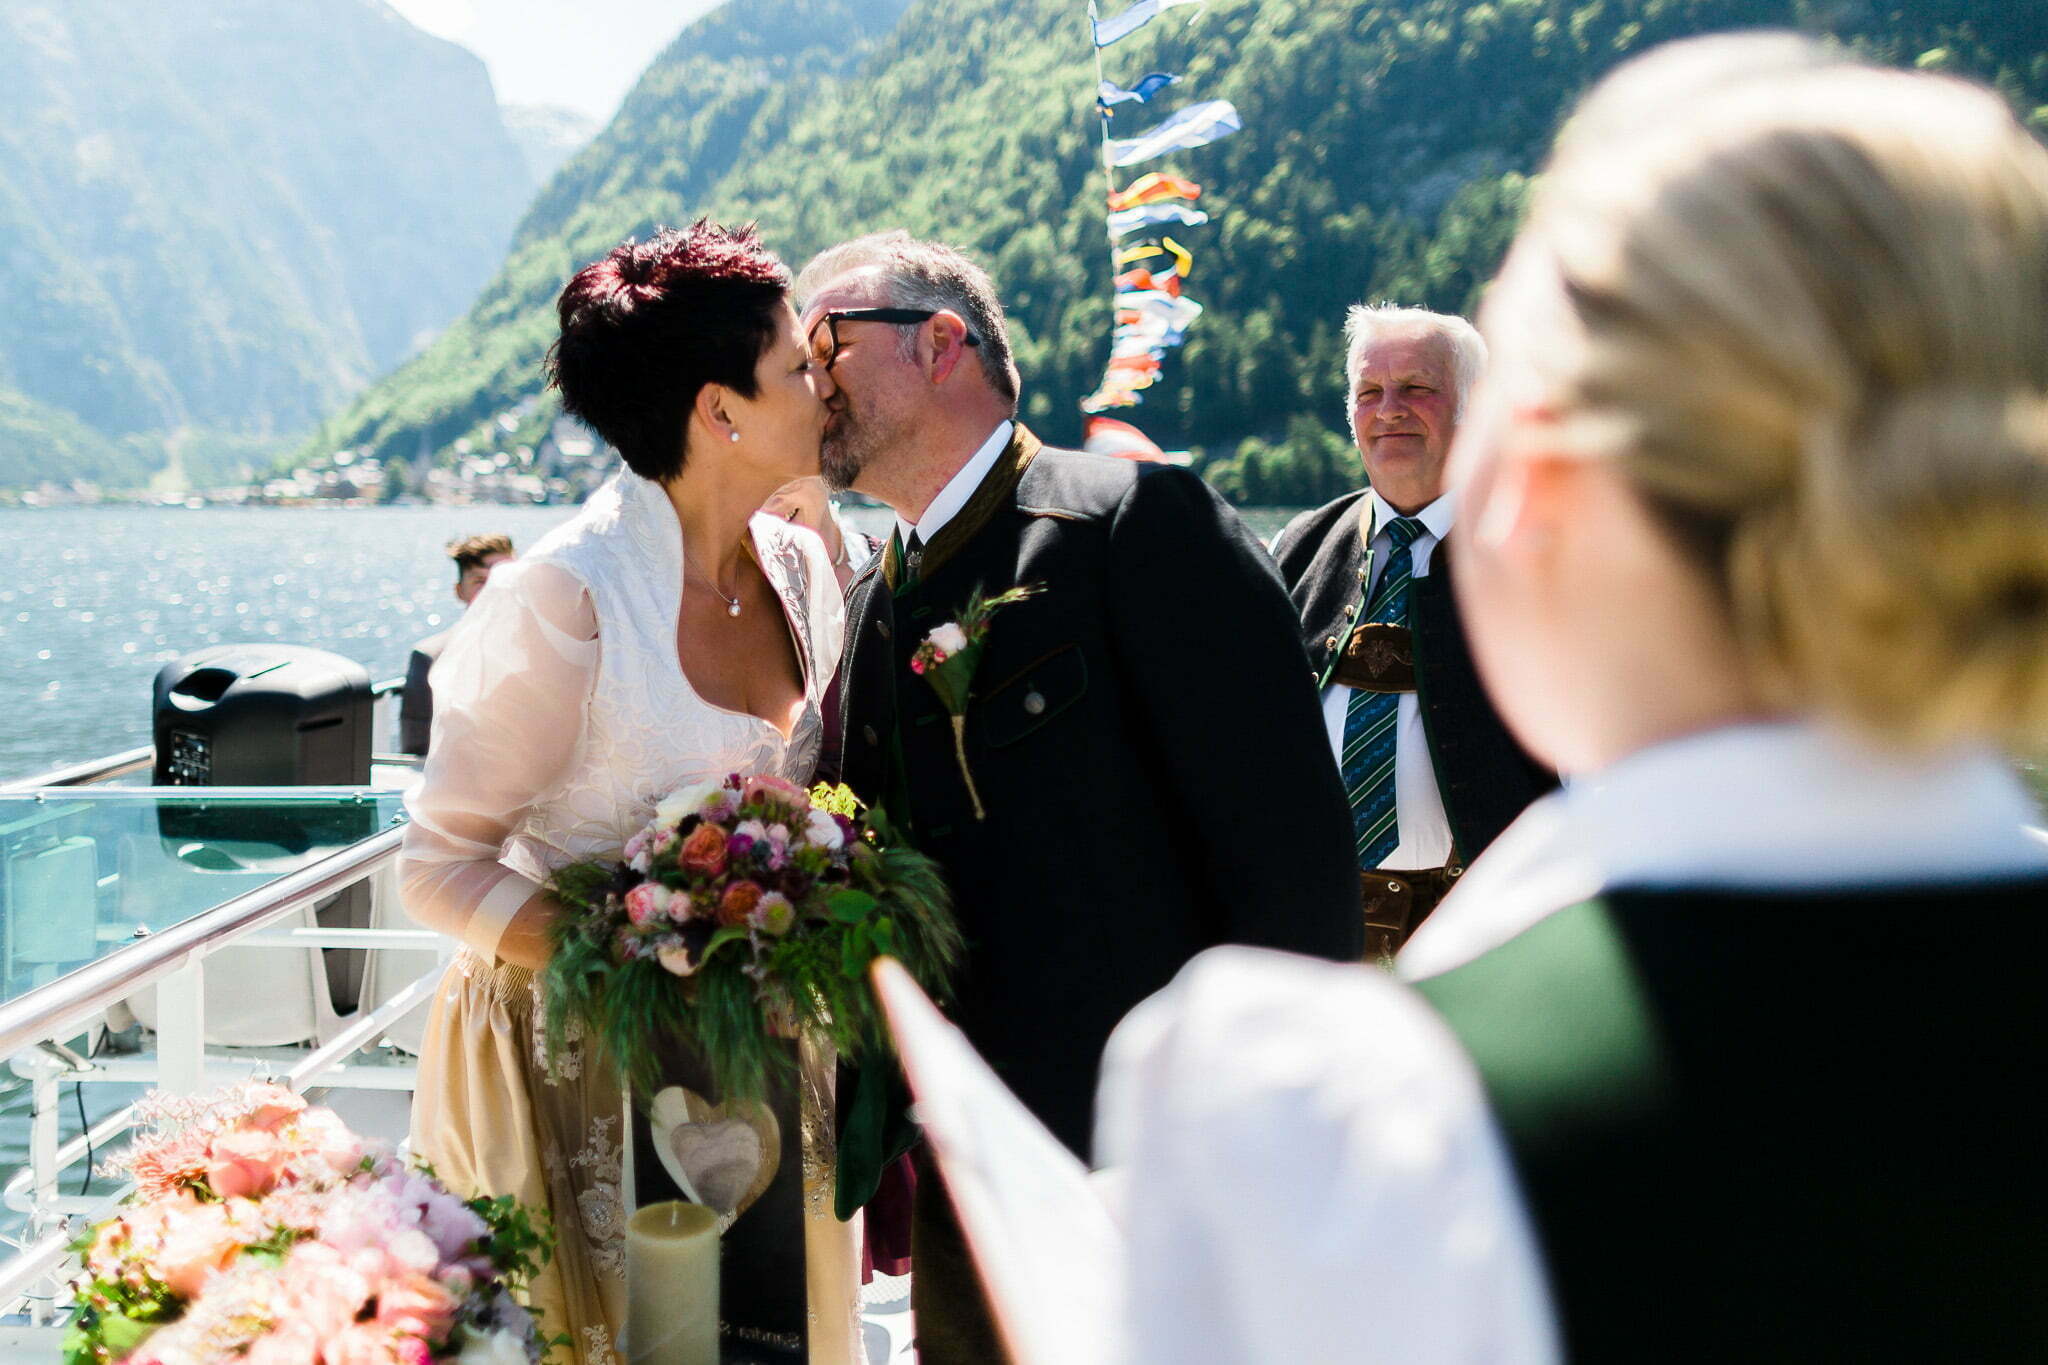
[
  {"x": 771, "y": 901},
  {"x": 743, "y": 857},
  {"x": 262, "y": 1230}
]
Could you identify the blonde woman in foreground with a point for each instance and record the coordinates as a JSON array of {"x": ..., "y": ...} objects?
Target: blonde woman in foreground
[{"x": 1728, "y": 1051}]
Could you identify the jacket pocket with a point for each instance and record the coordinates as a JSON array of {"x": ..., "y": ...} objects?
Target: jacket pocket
[{"x": 1033, "y": 695}]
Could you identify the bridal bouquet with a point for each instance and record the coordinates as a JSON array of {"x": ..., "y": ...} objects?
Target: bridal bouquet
[
  {"x": 262, "y": 1230},
  {"x": 745, "y": 908}
]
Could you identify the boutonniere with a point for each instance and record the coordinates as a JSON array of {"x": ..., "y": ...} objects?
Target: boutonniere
[{"x": 946, "y": 659}]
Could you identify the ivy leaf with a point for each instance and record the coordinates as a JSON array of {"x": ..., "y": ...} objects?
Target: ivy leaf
[
  {"x": 856, "y": 950},
  {"x": 122, "y": 1335},
  {"x": 850, "y": 906},
  {"x": 719, "y": 940}
]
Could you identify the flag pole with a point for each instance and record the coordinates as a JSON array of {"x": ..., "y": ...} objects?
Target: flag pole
[{"x": 1108, "y": 171}]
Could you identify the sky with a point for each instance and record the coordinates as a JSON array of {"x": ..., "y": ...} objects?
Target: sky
[{"x": 584, "y": 54}]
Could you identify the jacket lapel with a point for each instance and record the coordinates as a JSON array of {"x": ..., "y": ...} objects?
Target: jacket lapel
[{"x": 995, "y": 492}]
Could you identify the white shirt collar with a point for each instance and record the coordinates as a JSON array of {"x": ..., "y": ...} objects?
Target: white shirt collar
[
  {"x": 1436, "y": 518},
  {"x": 959, "y": 488},
  {"x": 1785, "y": 806}
]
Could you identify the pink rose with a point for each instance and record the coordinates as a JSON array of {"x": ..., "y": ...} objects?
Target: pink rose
[
  {"x": 275, "y": 1106},
  {"x": 417, "y": 1306},
  {"x": 371, "y": 1343},
  {"x": 245, "y": 1164},
  {"x": 324, "y": 1141},
  {"x": 198, "y": 1240},
  {"x": 325, "y": 1291},
  {"x": 634, "y": 847},
  {"x": 291, "y": 1342},
  {"x": 665, "y": 841},
  {"x": 642, "y": 903},
  {"x": 764, "y": 787}
]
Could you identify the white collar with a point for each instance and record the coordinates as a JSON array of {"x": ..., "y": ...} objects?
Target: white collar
[
  {"x": 1785, "y": 806},
  {"x": 1435, "y": 518},
  {"x": 959, "y": 488}
]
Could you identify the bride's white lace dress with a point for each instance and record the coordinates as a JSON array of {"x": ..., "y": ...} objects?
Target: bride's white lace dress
[{"x": 561, "y": 714}]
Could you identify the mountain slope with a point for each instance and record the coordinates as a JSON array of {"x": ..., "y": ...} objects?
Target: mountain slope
[
  {"x": 1385, "y": 154},
  {"x": 231, "y": 214},
  {"x": 721, "y": 95}
]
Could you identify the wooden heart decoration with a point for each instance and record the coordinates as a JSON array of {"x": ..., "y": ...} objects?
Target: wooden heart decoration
[{"x": 723, "y": 1156}]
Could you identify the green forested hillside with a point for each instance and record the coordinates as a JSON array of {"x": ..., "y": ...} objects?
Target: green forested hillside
[
  {"x": 36, "y": 438},
  {"x": 227, "y": 217},
  {"x": 1385, "y": 154}
]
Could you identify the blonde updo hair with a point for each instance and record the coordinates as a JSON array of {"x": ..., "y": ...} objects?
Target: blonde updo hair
[{"x": 1804, "y": 303}]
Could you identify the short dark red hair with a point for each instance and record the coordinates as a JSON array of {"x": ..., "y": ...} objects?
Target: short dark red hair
[{"x": 649, "y": 325}]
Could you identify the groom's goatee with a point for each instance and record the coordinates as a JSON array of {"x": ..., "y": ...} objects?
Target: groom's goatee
[
  {"x": 838, "y": 465},
  {"x": 840, "y": 455}
]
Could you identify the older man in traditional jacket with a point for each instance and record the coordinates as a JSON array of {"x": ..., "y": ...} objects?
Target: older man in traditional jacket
[
  {"x": 1140, "y": 774},
  {"x": 1432, "y": 774}
]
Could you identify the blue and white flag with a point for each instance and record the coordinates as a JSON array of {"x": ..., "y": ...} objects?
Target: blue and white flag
[
  {"x": 1195, "y": 126},
  {"x": 1112, "y": 93},
  {"x": 1135, "y": 345},
  {"x": 1131, "y": 20},
  {"x": 1126, "y": 222},
  {"x": 1158, "y": 315}
]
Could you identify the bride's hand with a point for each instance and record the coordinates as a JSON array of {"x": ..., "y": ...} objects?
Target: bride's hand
[{"x": 527, "y": 941}]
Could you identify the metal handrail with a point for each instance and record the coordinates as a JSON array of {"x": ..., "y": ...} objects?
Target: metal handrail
[
  {"x": 92, "y": 770},
  {"x": 48, "y": 1011},
  {"x": 358, "y": 795}
]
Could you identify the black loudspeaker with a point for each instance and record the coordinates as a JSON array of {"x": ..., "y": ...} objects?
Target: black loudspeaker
[
  {"x": 262, "y": 716},
  {"x": 268, "y": 716}
]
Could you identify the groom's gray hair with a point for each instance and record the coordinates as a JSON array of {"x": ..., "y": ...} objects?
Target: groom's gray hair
[{"x": 927, "y": 275}]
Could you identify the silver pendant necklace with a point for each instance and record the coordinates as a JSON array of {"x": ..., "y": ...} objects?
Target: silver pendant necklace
[{"x": 732, "y": 604}]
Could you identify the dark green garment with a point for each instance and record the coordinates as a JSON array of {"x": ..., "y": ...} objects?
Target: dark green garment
[{"x": 1757, "y": 1126}]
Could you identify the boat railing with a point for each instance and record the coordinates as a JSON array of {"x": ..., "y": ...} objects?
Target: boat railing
[{"x": 35, "y": 1025}]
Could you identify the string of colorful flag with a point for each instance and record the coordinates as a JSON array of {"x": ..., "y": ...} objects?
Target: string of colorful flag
[{"x": 1150, "y": 267}]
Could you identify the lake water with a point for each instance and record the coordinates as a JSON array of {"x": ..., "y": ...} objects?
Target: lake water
[{"x": 94, "y": 600}]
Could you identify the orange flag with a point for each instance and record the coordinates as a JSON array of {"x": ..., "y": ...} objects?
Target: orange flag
[
  {"x": 1145, "y": 279},
  {"x": 1153, "y": 188}
]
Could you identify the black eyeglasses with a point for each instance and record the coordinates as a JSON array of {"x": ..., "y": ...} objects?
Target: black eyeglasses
[{"x": 825, "y": 332}]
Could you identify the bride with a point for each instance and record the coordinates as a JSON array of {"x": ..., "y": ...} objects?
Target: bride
[{"x": 666, "y": 634}]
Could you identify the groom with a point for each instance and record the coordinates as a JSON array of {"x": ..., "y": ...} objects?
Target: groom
[{"x": 1143, "y": 731}]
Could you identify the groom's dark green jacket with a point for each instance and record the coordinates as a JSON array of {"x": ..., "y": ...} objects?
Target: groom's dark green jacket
[{"x": 1147, "y": 741}]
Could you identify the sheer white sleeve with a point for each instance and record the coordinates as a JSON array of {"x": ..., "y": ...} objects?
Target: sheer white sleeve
[
  {"x": 510, "y": 694},
  {"x": 1312, "y": 1175}
]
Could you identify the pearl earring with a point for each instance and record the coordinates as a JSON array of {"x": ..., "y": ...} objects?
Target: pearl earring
[{"x": 733, "y": 436}]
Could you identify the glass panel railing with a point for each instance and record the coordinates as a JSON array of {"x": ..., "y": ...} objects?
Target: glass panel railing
[{"x": 83, "y": 872}]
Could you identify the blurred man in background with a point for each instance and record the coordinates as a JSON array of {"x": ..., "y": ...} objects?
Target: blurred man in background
[{"x": 475, "y": 557}]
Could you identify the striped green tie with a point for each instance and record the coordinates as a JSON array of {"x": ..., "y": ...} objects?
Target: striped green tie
[{"x": 1367, "y": 761}]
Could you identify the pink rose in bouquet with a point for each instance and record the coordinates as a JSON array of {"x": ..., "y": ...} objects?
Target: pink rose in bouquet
[
  {"x": 193, "y": 1240},
  {"x": 644, "y": 903},
  {"x": 248, "y": 1162}
]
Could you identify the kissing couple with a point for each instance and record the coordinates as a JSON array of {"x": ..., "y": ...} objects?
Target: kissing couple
[{"x": 1136, "y": 769}]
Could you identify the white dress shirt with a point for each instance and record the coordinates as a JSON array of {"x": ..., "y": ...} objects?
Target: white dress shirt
[
  {"x": 1784, "y": 805},
  {"x": 1311, "y": 1172},
  {"x": 959, "y": 489},
  {"x": 1425, "y": 831}
]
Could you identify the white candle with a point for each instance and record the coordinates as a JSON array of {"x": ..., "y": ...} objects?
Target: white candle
[{"x": 672, "y": 1285}]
